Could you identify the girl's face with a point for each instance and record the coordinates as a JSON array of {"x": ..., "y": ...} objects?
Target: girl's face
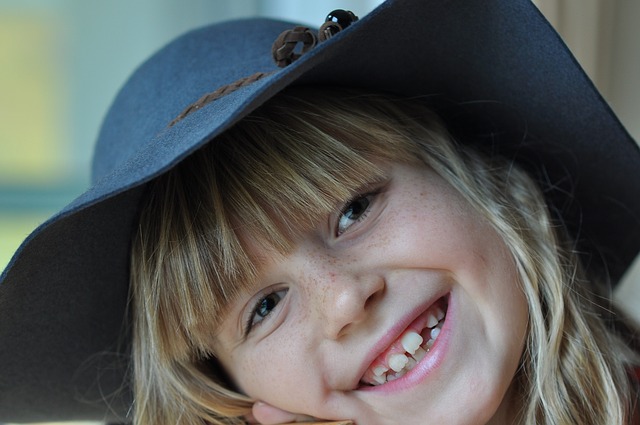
[{"x": 402, "y": 306}]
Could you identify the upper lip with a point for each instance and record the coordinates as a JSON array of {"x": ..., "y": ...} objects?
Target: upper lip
[{"x": 393, "y": 333}]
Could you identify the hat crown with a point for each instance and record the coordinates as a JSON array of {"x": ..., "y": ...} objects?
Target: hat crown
[{"x": 176, "y": 76}]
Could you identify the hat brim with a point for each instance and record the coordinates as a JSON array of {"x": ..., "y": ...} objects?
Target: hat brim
[{"x": 64, "y": 296}]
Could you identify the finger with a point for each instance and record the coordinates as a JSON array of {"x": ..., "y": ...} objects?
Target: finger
[
  {"x": 267, "y": 414},
  {"x": 250, "y": 419}
]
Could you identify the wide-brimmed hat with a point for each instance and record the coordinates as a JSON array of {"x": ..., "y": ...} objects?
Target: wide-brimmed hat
[{"x": 64, "y": 336}]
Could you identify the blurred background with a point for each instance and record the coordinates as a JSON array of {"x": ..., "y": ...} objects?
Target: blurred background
[{"x": 62, "y": 61}]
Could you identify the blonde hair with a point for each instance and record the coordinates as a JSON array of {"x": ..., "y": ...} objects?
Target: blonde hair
[{"x": 274, "y": 175}]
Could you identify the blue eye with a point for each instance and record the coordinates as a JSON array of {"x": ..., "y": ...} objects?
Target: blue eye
[
  {"x": 264, "y": 307},
  {"x": 354, "y": 211}
]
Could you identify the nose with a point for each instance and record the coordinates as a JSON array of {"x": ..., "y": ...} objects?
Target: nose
[{"x": 345, "y": 297}]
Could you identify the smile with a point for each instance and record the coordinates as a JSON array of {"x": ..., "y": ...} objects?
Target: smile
[{"x": 409, "y": 349}]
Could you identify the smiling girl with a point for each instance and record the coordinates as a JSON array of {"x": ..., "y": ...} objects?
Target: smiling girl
[
  {"x": 356, "y": 262},
  {"x": 417, "y": 217}
]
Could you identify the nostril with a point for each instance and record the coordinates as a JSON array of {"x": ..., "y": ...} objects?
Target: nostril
[
  {"x": 373, "y": 298},
  {"x": 348, "y": 302},
  {"x": 375, "y": 295}
]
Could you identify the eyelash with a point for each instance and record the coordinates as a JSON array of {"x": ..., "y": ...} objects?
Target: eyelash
[
  {"x": 363, "y": 215},
  {"x": 250, "y": 324}
]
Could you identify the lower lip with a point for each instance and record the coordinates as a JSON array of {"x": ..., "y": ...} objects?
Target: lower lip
[{"x": 428, "y": 365}]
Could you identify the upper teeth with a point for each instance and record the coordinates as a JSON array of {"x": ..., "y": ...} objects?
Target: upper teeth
[
  {"x": 434, "y": 333},
  {"x": 411, "y": 341},
  {"x": 378, "y": 371},
  {"x": 397, "y": 362},
  {"x": 432, "y": 321},
  {"x": 415, "y": 349}
]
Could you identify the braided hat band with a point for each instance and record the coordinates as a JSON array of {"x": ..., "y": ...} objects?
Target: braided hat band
[{"x": 284, "y": 53}]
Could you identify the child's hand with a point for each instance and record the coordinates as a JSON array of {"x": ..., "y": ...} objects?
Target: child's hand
[{"x": 265, "y": 414}]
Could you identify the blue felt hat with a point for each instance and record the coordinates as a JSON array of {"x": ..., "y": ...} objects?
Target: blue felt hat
[{"x": 63, "y": 298}]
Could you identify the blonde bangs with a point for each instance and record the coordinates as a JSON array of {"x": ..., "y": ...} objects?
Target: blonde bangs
[{"x": 264, "y": 182}]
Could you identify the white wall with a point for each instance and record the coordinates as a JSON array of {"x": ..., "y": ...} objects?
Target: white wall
[
  {"x": 604, "y": 35},
  {"x": 624, "y": 82},
  {"x": 313, "y": 13}
]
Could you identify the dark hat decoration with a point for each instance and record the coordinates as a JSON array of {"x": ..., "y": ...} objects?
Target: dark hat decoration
[{"x": 64, "y": 337}]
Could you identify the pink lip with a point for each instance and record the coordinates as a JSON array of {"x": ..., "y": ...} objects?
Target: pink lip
[{"x": 422, "y": 369}]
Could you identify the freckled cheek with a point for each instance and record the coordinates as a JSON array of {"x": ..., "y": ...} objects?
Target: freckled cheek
[
  {"x": 421, "y": 233},
  {"x": 272, "y": 372}
]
